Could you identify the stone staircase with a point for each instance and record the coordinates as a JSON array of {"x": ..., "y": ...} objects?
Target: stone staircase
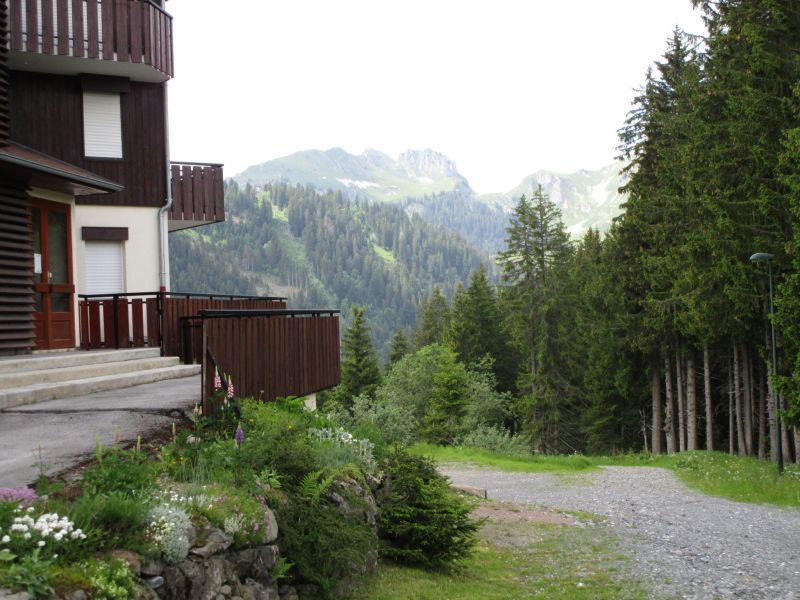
[{"x": 42, "y": 377}]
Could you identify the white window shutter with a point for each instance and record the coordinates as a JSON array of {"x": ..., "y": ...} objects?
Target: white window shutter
[
  {"x": 102, "y": 125},
  {"x": 104, "y": 268}
]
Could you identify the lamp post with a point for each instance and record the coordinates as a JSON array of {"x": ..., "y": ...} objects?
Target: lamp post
[{"x": 759, "y": 257}]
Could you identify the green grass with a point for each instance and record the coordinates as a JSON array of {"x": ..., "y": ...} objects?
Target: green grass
[
  {"x": 387, "y": 256},
  {"x": 518, "y": 560},
  {"x": 743, "y": 479},
  {"x": 522, "y": 464}
]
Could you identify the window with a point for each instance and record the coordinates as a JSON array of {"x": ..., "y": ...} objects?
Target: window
[
  {"x": 104, "y": 268},
  {"x": 102, "y": 125}
]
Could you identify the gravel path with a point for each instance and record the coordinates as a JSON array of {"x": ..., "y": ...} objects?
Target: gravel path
[{"x": 683, "y": 544}]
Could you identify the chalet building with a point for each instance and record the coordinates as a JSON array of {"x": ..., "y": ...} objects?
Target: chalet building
[
  {"x": 87, "y": 197},
  {"x": 87, "y": 190}
]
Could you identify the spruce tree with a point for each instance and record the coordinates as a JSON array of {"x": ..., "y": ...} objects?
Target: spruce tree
[
  {"x": 399, "y": 347},
  {"x": 360, "y": 371}
]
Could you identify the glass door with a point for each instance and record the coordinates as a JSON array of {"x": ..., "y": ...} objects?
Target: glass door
[{"x": 53, "y": 284}]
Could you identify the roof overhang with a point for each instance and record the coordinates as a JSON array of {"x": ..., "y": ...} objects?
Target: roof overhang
[{"x": 44, "y": 171}]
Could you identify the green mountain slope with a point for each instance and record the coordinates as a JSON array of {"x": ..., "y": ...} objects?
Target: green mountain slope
[
  {"x": 323, "y": 251},
  {"x": 427, "y": 183}
]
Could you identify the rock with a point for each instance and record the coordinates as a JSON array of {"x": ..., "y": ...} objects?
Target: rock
[
  {"x": 225, "y": 590},
  {"x": 214, "y": 541},
  {"x": 287, "y": 592},
  {"x": 9, "y": 595},
  {"x": 271, "y": 525},
  {"x": 154, "y": 582},
  {"x": 242, "y": 562},
  {"x": 151, "y": 568},
  {"x": 76, "y": 595},
  {"x": 144, "y": 592},
  {"x": 191, "y": 535},
  {"x": 133, "y": 560},
  {"x": 307, "y": 591},
  {"x": 174, "y": 584},
  {"x": 219, "y": 597},
  {"x": 265, "y": 559}
]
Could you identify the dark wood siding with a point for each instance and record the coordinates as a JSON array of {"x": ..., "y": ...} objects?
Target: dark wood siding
[
  {"x": 16, "y": 270},
  {"x": 3, "y": 73},
  {"x": 48, "y": 116}
]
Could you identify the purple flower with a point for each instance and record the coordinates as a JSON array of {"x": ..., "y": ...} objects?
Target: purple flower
[
  {"x": 239, "y": 435},
  {"x": 22, "y": 494}
]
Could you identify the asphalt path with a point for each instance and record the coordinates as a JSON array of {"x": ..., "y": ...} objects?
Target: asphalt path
[{"x": 50, "y": 437}]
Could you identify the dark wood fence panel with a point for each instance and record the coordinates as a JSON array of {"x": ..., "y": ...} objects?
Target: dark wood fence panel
[
  {"x": 197, "y": 192},
  {"x": 135, "y": 31},
  {"x": 16, "y": 271},
  {"x": 137, "y": 321},
  {"x": 268, "y": 357}
]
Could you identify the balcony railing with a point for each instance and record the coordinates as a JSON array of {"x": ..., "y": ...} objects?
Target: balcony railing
[
  {"x": 198, "y": 195},
  {"x": 270, "y": 353},
  {"x": 155, "y": 319},
  {"x": 126, "y": 31}
]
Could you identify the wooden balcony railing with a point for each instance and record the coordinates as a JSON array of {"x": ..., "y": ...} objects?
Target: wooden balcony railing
[
  {"x": 128, "y": 31},
  {"x": 155, "y": 319},
  {"x": 198, "y": 195},
  {"x": 269, "y": 354}
]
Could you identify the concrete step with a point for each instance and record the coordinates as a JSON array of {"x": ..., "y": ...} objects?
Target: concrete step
[
  {"x": 60, "y": 360},
  {"x": 52, "y": 375},
  {"x": 42, "y": 392}
]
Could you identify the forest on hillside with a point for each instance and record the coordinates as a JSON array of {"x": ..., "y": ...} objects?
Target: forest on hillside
[
  {"x": 657, "y": 335},
  {"x": 322, "y": 250}
]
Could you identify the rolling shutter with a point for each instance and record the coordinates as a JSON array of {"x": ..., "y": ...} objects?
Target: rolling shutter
[
  {"x": 102, "y": 125},
  {"x": 104, "y": 268}
]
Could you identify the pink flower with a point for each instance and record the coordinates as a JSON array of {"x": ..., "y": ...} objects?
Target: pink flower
[{"x": 230, "y": 388}]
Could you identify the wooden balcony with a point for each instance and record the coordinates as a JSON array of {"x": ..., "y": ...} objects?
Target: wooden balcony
[
  {"x": 270, "y": 353},
  {"x": 198, "y": 195},
  {"x": 125, "y": 38}
]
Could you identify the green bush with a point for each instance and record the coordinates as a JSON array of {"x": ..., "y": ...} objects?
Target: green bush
[
  {"x": 31, "y": 574},
  {"x": 422, "y": 522},
  {"x": 112, "y": 520},
  {"x": 237, "y": 512},
  {"x": 110, "y": 579},
  {"x": 496, "y": 439},
  {"x": 325, "y": 545},
  {"x": 119, "y": 471}
]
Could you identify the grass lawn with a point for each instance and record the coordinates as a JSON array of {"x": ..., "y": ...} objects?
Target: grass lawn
[
  {"x": 738, "y": 478},
  {"x": 518, "y": 559}
]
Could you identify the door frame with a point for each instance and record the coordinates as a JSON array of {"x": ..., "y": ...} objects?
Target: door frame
[{"x": 46, "y": 318}]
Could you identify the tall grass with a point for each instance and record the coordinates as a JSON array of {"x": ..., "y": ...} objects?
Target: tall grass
[{"x": 505, "y": 462}]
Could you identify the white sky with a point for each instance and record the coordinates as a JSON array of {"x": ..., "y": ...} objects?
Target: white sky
[{"x": 503, "y": 87}]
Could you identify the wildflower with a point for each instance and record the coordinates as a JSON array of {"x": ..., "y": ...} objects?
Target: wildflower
[
  {"x": 5, "y": 539},
  {"x": 41, "y": 543},
  {"x": 230, "y": 387},
  {"x": 217, "y": 380},
  {"x": 239, "y": 435}
]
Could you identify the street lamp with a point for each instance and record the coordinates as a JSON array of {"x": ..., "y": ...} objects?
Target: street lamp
[{"x": 759, "y": 257}]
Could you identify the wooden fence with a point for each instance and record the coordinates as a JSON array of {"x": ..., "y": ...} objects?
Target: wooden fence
[
  {"x": 269, "y": 354},
  {"x": 136, "y": 320}
]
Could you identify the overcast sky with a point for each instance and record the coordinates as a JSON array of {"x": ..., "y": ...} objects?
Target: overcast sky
[{"x": 503, "y": 87}]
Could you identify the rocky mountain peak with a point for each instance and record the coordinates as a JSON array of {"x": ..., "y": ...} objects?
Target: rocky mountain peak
[{"x": 427, "y": 163}]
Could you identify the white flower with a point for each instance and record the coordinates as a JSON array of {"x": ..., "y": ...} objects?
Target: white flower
[
  {"x": 58, "y": 536},
  {"x": 5, "y": 539},
  {"x": 27, "y": 536},
  {"x": 41, "y": 543}
]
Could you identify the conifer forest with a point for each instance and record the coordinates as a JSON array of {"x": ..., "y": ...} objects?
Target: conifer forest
[{"x": 654, "y": 334}]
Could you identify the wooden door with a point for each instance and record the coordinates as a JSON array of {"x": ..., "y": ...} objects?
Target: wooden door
[{"x": 53, "y": 287}]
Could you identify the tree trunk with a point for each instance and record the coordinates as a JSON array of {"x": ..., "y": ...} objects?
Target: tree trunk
[
  {"x": 731, "y": 413},
  {"x": 681, "y": 398},
  {"x": 691, "y": 404},
  {"x": 747, "y": 400},
  {"x": 707, "y": 394},
  {"x": 773, "y": 432},
  {"x": 737, "y": 394},
  {"x": 762, "y": 413},
  {"x": 669, "y": 417},
  {"x": 796, "y": 445},
  {"x": 787, "y": 446},
  {"x": 655, "y": 392}
]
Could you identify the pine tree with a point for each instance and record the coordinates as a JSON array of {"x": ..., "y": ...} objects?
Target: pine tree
[
  {"x": 399, "y": 347},
  {"x": 360, "y": 371},
  {"x": 434, "y": 316}
]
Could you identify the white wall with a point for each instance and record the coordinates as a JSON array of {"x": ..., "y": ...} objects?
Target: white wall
[
  {"x": 141, "y": 258},
  {"x": 140, "y": 253}
]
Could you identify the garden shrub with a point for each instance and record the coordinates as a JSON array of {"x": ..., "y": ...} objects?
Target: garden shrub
[
  {"x": 110, "y": 579},
  {"x": 119, "y": 471},
  {"x": 237, "y": 512},
  {"x": 324, "y": 545},
  {"x": 422, "y": 522},
  {"x": 112, "y": 520},
  {"x": 167, "y": 529},
  {"x": 31, "y": 574},
  {"x": 496, "y": 439}
]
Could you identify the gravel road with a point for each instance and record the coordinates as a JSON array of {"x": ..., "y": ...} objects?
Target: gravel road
[{"x": 683, "y": 544}]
